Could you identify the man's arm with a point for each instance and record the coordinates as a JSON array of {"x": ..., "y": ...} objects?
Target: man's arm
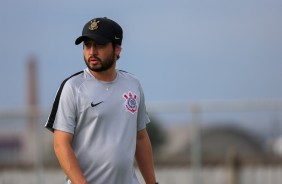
[
  {"x": 144, "y": 157},
  {"x": 66, "y": 157}
]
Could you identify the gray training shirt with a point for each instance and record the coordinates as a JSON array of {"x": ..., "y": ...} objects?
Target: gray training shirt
[{"x": 104, "y": 118}]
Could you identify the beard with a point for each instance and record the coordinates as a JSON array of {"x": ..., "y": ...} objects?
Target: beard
[{"x": 102, "y": 65}]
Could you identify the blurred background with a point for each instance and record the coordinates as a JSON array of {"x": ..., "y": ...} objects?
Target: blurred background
[{"x": 211, "y": 73}]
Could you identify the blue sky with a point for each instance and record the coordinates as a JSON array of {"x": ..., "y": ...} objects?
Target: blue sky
[{"x": 181, "y": 50}]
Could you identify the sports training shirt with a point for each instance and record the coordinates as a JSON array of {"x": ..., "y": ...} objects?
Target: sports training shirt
[{"x": 104, "y": 118}]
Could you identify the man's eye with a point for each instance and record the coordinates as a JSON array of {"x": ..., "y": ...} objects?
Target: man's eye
[
  {"x": 87, "y": 44},
  {"x": 99, "y": 46}
]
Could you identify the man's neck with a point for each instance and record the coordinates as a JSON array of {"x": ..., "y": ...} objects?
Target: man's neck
[{"x": 107, "y": 76}]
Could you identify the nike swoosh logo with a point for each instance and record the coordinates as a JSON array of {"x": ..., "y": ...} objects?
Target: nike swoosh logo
[
  {"x": 93, "y": 105},
  {"x": 117, "y": 38}
]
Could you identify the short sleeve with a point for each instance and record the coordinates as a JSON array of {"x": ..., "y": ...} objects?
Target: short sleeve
[
  {"x": 142, "y": 117},
  {"x": 66, "y": 113}
]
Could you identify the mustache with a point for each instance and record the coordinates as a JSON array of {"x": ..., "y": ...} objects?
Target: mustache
[{"x": 94, "y": 57}]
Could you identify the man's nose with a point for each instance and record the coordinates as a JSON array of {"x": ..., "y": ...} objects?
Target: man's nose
[{"x": 93, "y": 50}]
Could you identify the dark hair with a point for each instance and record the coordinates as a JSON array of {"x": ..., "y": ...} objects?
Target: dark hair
[
  {"x": 113, "y": 44},
  {"x": 114, "y": 47}
]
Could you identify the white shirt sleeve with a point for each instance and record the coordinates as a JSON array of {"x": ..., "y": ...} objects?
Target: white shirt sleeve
[
  {"x": 66, "y": 114},
  {"x": 142, "y": 117}
]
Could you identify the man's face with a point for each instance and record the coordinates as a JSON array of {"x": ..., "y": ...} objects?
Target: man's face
[{"x": 99, "y": 58}]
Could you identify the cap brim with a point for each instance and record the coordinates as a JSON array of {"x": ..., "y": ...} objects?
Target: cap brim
[{"x": 98, "y": 39}]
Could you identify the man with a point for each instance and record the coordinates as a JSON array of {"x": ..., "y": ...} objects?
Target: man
[{"x": 99, "y": 116}]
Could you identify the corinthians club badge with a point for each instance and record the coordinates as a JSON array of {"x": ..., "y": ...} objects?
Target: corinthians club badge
[
  {"x": 93, "y": 25},
  {"x": 131, "y": 103}
]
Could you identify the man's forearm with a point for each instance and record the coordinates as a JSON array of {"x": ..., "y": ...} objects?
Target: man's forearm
[
  {"x": 144, "y": 158},
  {"x": 68, "y": 161}
]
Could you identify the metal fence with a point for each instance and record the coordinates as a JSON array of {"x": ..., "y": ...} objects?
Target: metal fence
[{"x": 26, "y": 154}]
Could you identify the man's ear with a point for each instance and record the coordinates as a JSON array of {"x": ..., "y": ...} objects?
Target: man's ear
[{"x": 117, "y": 49}]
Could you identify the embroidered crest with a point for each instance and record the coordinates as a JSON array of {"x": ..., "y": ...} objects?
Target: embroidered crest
[
  {"x": 93, "y": 25},
  {"x": 131, "y": 103}
]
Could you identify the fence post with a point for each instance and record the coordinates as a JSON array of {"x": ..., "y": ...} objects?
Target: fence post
[
  {"x": 233, "y": 167},
  {"x": 196, "y": 150}
]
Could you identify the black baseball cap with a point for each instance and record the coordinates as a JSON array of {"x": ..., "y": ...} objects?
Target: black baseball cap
[{"x": 102, "y": 31}]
